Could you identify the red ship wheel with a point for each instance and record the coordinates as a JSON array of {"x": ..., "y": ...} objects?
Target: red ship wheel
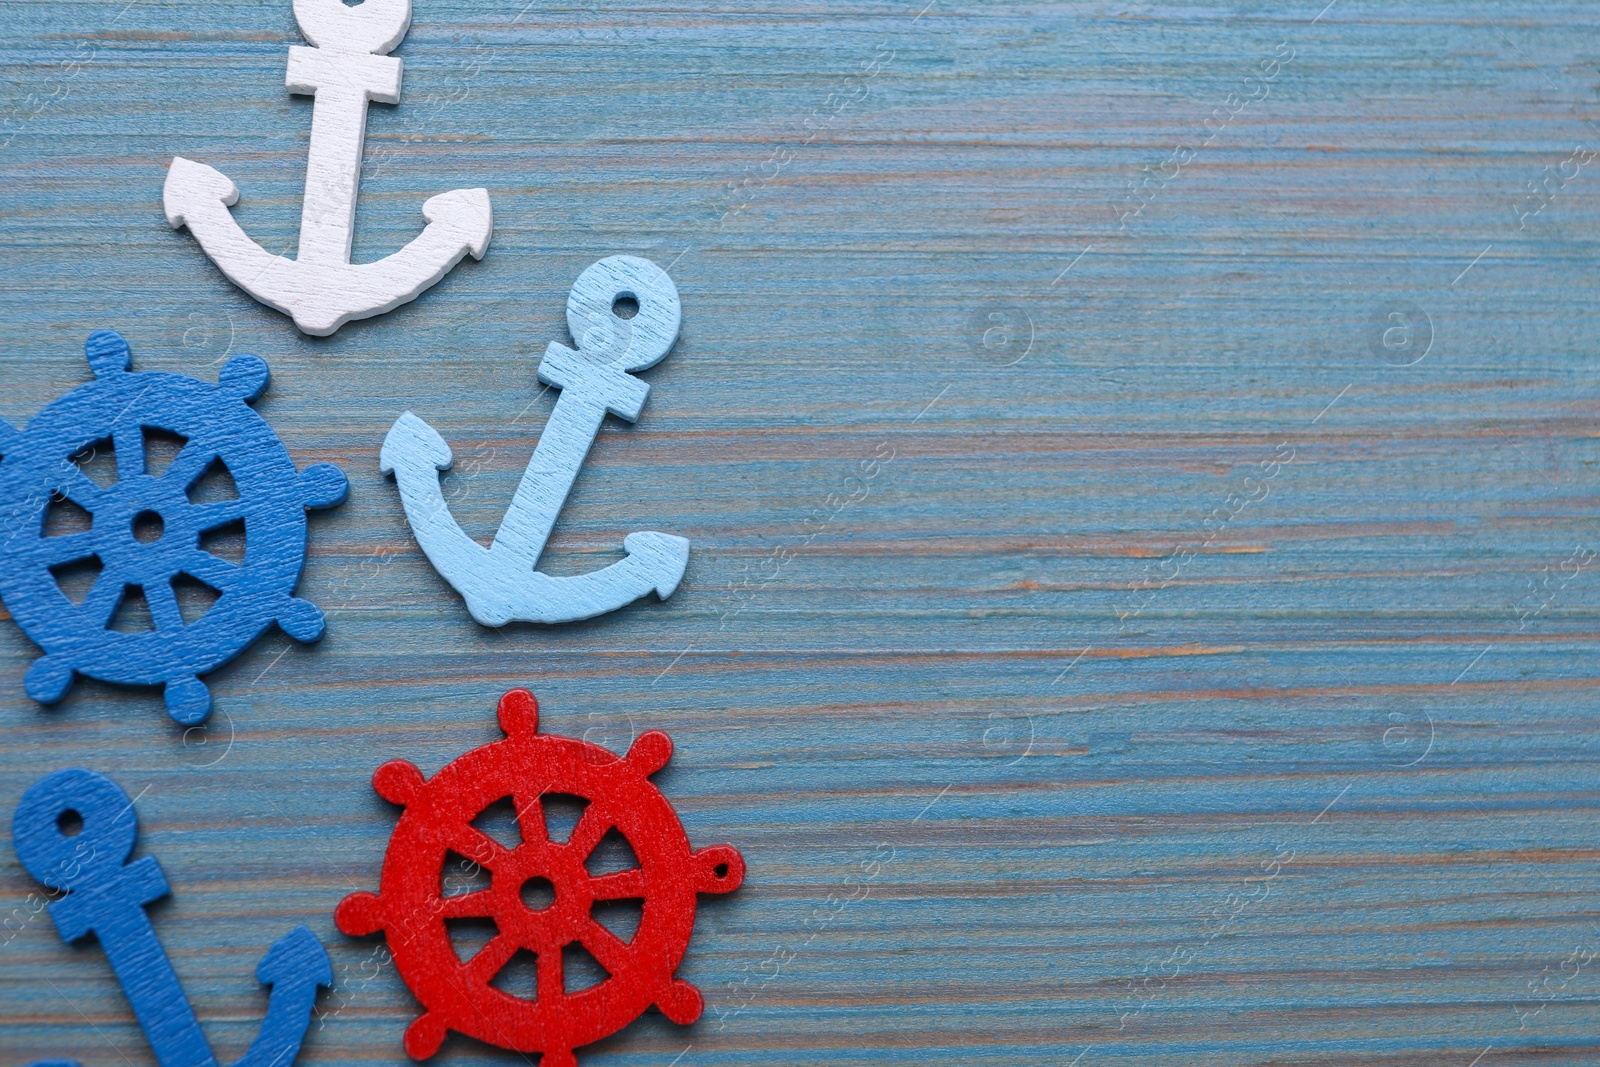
[{"x": 411, "y": 911}]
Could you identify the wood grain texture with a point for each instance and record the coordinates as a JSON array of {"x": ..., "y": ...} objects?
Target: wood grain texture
[{"x": 1056, "y": 733}]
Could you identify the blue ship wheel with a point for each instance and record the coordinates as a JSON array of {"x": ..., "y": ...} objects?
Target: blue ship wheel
[{"x": 218, "y": 425}]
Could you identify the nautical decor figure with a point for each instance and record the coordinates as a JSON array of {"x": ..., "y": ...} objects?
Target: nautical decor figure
[
  {"x": 146, "y": 529},
  {"x": 347, "y": 67},
  {"x": 499, "y": 583},
  {"x": 541, "y": 891},
  {"x": 106, "y": 896}
]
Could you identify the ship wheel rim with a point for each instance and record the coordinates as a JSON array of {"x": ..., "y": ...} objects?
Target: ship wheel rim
[
  {"x": 636, "y": 975},
  {"x": 229, "y": 431}
]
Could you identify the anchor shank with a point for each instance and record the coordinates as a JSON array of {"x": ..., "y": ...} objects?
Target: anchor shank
[
  {"x": 114, "y": 911},
  {"x": 549, "y": 477},
  {"x": 343, "y": 83},
  {"x": 146, "y": 977}
]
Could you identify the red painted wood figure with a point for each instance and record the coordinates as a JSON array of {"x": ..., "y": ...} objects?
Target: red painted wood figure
[{"x": 412, "y": 910}]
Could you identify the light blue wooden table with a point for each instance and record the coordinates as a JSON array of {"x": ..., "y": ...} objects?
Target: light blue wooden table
[{"x": 1206, "y": 672}]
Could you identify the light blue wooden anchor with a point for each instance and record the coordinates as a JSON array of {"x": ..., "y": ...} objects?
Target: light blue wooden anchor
[
  {"x": 500, "y": 583},
  {"x": 106, "y": 896}
]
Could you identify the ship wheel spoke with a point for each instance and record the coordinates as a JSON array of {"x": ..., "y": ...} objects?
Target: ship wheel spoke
[
  {"x": 79, "y": 488},
  {"x": 530, "y": 820},
  {"x": 477, "y": 905},
  {"x": 491, "y": 957},
  {"x": 618, "y": 885},
  {"x": 53, "y": 551},
  {"x": 592, "y": 826},
  {"x": 605, "y": 946},
  {"x": 127, "y": 440},
  {"x": 216, "y": 572},
  {"x": 551, "y": 975},
  {"x": 188, "y": 464},
  {"x": 221, "y": 512},
  {"x": 103, "y": 598},
  {"x": 479, "y": 847},
  {"x": 163, "y": 603}
]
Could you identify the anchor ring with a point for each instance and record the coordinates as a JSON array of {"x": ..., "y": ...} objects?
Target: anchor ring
[
  {"x": 374, "y": 26},
  {"x": 603, "y": 336}
]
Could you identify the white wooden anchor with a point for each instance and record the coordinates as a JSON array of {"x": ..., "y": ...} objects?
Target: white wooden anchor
[
  {"x": 347, "y": 66},
  {"x": 500, "y": 583}
]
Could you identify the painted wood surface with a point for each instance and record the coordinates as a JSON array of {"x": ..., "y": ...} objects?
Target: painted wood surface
[{"x": 1141, "y": 464}]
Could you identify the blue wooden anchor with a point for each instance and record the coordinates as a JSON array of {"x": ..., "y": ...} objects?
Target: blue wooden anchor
[
  {"x": 499, "y": 583},
  {"x": 106, "y": 896}
]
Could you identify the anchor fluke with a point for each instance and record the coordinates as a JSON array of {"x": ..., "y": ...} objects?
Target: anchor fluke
[
  {"x": 192, "y": 186},
  {"x": 409, "y": 439},
  {"x": 498, "y": 586},
  {"x": 662, "y": 556},
  {"x": 466, "y": 219},
  {"x": 295, "y": 966},
  {"x": 321, "y": 297}
]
